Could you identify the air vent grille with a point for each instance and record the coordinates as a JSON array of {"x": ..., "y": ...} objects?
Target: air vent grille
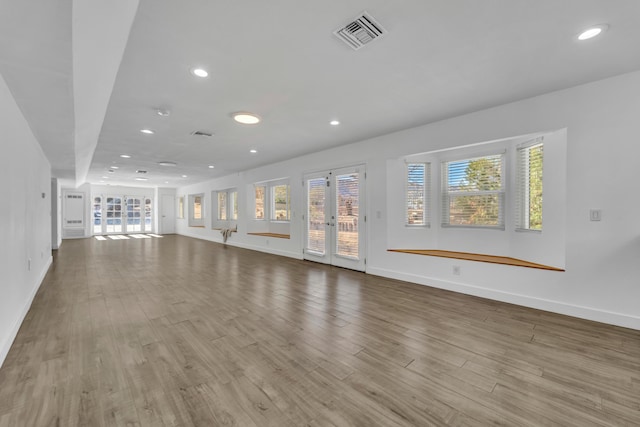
[
  {"x": 360, "y": 32},
  {"x": 202, "y": 133}
]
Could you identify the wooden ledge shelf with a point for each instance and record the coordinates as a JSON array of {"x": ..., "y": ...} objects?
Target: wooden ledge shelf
[
  {"x": 477, "y": 257},
  {"x": 276, "y": 235},
  {"x": 197, "y": 226}
]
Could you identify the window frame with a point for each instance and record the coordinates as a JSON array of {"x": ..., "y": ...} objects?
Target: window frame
[
  {"x": 446, "y": 194},
  {"x": 523, "y": 185},
  {"x": 425, "y": 198},
  {"x": 272, "y": 202}
]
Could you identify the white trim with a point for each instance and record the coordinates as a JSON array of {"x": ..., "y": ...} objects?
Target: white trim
[
  {"x": 588, "y": 313},
  {"x": 6, "y": 346}
]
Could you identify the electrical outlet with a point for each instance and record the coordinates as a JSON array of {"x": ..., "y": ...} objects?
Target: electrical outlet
[
  {"x": 595, "y": 215},
  {"x": 456, "y": 270}
]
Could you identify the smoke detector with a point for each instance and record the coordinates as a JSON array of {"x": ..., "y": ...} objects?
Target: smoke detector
[{"x": 361, "y": 31}]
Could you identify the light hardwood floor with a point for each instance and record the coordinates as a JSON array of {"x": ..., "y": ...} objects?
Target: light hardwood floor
[{"x": 176, "y": 331}]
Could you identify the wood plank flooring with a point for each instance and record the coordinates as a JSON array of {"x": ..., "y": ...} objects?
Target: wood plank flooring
[{"x": 176, "y": 331}]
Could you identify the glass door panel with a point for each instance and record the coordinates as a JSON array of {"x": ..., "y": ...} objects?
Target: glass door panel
[
  {"x": 148, "y": 219},
  {"x": 347, "y": 201},
  {"x": 97, "y": 215},
  {"x": 316, "y": 216},
  {"x": 113, "y": 209},
  {"x": 134, "y": 220}
]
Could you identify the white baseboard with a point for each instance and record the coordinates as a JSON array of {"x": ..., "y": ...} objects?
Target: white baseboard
[
  {"x": 6, "y": 345},
  {"x": 588, "y": 313}
]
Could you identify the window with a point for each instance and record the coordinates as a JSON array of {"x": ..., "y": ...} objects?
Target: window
[
  {"x": 234, "y": 204},
  {"x": 196, "y": 210},
  {"x": 222, "y": 205},
  {"x": 197, "y": 207},
  {"x": 280, "y": 203},
  {"x": 260, "y": 196},
  {"x": 417, "y": 191},
  {"x": 180, "y": 207},
  {"x": 473, "y": 192},
  {"x": 529, "y": 186}
]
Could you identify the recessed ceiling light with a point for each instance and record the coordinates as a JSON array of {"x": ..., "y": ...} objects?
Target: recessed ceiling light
[
  {"x": 147, "y": 131},
  {"x": 162, "y": 112},
  {"x": 334, "y": 122},
  {"x": 105, "y": 177},
  {"x": 114, "y": 167},
  {"x": 184, "y": 176},
  {"x": 246, "y": 118},
  {"x": 211, "y": 166},
  {"x": 592, "y": 32},
  {"x": 253, "y": 151},
  {"x": 199, "y": 72},
  {"x": 166, "y": 182},
  {"x": 141, "y": 179},
  {"x": 125, "y": 156},
  {"x": 101, "y": 181},
  {"x": 167, "y": 163}
]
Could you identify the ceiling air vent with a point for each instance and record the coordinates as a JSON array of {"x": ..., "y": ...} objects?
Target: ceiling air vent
[
  {"x": 202, "y": 133},
  {"x": 141, "y": 171},
  {"x": 361, "y": 31}
]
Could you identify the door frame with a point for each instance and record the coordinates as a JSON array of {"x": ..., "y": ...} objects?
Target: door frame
[{"x": 332, "y": 227}]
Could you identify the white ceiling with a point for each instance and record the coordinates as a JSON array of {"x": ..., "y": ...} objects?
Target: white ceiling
[{"x": 89, "y": 74}]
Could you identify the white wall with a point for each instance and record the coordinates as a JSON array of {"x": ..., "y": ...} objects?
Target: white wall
[
  {"x": 602, "y": 259},
  {"x": 25, "y": 218}
]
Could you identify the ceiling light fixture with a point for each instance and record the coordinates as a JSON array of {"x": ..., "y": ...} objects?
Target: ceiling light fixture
[
  {"x": 211, "y": 166},
  {"x": 125, "y": 156},
  {"x": 199, "y": 72},
  {"x": 184, "y": 176},
  {"x": 246, "y": 118},
  {"x": 162, "y": 112},
  {"x": 147, "y": 131},
  {"x": 592, "y": 32},
  {"x": 253, "y": 151},
  {"x": 334, "y": 122},
  {"x": 166, "y": 163},
  {"x": 141, "y": 179},
  {"x": 114, "y": 167}
]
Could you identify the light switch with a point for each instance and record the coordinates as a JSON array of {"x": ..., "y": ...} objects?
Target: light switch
[{"x": 595, "y": 215}]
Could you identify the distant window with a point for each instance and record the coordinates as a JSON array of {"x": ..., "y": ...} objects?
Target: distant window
[
  {"x": 529, "y": 186},
  {"x": 473, "y": 192},
  {"x": 180, "y": 207},
  {"x": 197, "y": 207},
  {"x": 260, "y": 191},
  {"x": 222, "y": 205},
  {"x": 233, "y": 205},
  {"x": 280, "y": 202},
  {"x": 416, "y": 194}
]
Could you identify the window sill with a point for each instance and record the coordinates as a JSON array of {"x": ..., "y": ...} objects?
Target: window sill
[
  {"x": 493, "y": 259},
  {"x": 276, "y": 235}
]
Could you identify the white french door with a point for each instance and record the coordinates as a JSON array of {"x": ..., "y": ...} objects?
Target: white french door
[
  {"x": 122, "y": 214},
  {"x": 335, "y": 217}
]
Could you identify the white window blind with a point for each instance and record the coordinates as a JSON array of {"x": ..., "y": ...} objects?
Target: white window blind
[
  {"x": 417, "y": 194},
  {"x": 473, "y": 192},
  {"x": 222, "y": 205},
  {"x": 529, "y": 185},
  {"x": 233, "y": 205}
]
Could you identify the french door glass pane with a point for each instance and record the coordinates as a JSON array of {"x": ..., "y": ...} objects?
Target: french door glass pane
[
  {"x": 97, "y": 215},
  {"x": 315, "y": 216},
  {"x": 114, "y": 215},
  {"x": 347, "y": 203},
  {"x": 148, "y": 224},
  {"x": 134, "y": 222}
]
